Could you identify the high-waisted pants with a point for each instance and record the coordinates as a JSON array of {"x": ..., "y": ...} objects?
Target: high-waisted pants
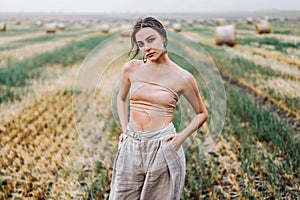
[{"x": 148, "y": 168}]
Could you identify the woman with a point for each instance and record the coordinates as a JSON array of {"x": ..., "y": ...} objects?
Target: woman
[{"x": 150, "y": 162}]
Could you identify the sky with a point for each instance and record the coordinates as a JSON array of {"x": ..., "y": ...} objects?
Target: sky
[{"x": 129, "y": 6}]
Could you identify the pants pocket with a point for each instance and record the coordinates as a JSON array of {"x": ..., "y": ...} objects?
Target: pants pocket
[
  {"x": 115, "y": 163},
  {"x": 176, "y": 167}
]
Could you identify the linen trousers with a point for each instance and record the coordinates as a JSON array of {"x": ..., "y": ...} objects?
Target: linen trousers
[{"x": 148, "y": 168}]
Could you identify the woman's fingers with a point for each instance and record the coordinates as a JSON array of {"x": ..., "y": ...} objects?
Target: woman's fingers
[
  {"x": 121, "y": 137},
  {"x": 169, "y": 137}
]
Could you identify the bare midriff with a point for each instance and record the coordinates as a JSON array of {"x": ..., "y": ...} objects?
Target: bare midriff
[
  {"x": 151, "y": 106},
  {"x": 141, "y": 121}
]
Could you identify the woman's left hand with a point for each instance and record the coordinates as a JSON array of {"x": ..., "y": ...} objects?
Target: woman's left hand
[{"x": 176, "y": 140}]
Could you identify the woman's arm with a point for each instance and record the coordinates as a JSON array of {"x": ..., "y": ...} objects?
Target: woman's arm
[
  {"x": 122, "y": 96},
  {"x": 191, "y": 93}
]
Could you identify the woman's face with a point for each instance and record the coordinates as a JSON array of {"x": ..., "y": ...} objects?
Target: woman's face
[{"x": 150, "y": 43}]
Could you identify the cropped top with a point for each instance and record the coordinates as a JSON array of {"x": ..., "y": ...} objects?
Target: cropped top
[{"x": 152, "y": 98}]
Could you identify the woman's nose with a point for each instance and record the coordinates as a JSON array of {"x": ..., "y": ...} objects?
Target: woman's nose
[{"x": 147, "y": 47}]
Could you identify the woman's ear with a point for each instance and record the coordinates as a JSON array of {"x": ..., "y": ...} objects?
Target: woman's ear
[{"x": 165, "y": 43}]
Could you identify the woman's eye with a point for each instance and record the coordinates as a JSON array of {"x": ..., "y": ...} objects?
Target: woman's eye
[
  {"x": 140, "y": 44},
  {"x": 151, "y": 40}
]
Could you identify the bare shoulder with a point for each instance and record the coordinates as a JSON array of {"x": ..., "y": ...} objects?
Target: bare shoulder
[
  {"x": 186, "y": 75},
  {"x": 130, "y": 65}
]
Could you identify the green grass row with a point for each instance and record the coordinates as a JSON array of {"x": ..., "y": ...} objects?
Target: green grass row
[
  {"x": 17, "y": 73},
  {"x": 278, "y": 44},
  {"x": 277, "y": 27},
  {"x": 244, "y": 26},
  {"x": 17, "y": 31},
  {"x": 206, "y": 32},
  {"x": 43, "y": 38},
  {"x": 286, "y": 27},
  {"x": 244, "y": 68},
  {"x": 277, "y": 170}
]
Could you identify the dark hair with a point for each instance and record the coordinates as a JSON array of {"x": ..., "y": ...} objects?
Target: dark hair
[{"x": 150, "y": 22}]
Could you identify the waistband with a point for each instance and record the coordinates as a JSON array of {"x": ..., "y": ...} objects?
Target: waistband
[{"x": 151, "y": 135}]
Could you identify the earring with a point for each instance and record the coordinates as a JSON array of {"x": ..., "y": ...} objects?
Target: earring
[
  {"x": 165, "y": 45},
  {"x": 144, "y": 59}
]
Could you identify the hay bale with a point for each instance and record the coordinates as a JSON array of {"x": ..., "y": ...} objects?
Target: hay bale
[
  {"x": 50, "y": 27},
  {"x": 86, "y": 23},
  {"x": 166, "y": 23},
  {"x": 61, "y": 26},
  {"x": 125, "y": 30},
  {"x": 104, "y": 28},
  {"x": 2, "y": 26},
  {"x": 263, "y": 26},
  {"x": 190, "y": 22},
  {"x": 18, "y": 22},
  {"x": 249, "y": 20},
  {"x": 220, "y": 21},
  {"x": 266, "y": 18},
  {"x": 281, "y": 19},
  {"x": 225, "y": 34},
  {"x": 39, "y": 23},
  {"x": 200, "y": 20},
  {"x": 177, "y": 27}
]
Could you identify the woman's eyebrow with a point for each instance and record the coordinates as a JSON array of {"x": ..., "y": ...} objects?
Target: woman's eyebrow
[
  {"x": 149, "y": 37},
  {"x": 146, "y": 38}
]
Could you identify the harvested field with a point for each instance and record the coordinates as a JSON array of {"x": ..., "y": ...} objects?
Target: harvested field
[{"x": 59, "y": 130}]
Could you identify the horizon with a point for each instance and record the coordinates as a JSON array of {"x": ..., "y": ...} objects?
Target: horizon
[
  {"x": 155, "y": 6},
  {"x": 290, "y": 14}
]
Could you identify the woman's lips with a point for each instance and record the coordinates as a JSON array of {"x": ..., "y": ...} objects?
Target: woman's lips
[{"x": 149, "y": 55}]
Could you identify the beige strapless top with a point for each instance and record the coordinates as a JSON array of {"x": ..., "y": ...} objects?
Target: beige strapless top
[{"x": 152, "y": 98}]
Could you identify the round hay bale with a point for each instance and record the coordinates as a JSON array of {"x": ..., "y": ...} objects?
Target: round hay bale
[
  {"x": 61, "y": 26},
  {"x": 200, "y": 20},
  {"x": 263, "y": 26},
  {"x": 18, "y": 22},
  {"x": 190, "y": 22},
  {"x": 50, "y": 28},
  {"x": 125, "y": 30},
  {"x": 281, "y": 19},
  {"x": 2, "y": 26},
  {"x": 86, "y": 24},
  {"x": 166, "y": 23},
  {"x": 39, "y": 23},
  {"x": 225, "y": 34},
  {"x": 220, "y": 21},
  {"x": 104, "y": 28},
  {"x": 177, "y": 27},
  {"x": 249, "y": 20},
  {"x": 266, "y": 18}
]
